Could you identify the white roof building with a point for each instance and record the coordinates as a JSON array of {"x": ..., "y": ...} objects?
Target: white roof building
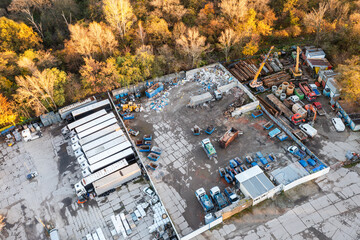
[{"x": 254, "y": 184}]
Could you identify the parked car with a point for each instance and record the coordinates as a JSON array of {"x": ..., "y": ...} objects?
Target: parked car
[
  {"x": 294, "y": 98},
  {"x": 338, "y": 124},
  {"x": 308, "y": 129}
]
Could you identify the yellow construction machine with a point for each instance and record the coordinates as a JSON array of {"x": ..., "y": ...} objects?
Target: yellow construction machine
[
  {"x": 296, "y": 71},
  {"x": 130, "y": 107},
  {"x": 258, "y": 85}
]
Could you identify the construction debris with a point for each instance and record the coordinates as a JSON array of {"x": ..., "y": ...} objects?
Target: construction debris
[{"x": 276, "y": 79}]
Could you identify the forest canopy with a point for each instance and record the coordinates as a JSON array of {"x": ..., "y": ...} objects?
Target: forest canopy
[{"x": 56, "y": 52}]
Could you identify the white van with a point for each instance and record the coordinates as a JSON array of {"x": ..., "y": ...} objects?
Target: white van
[{"x": 309, "y": 130}]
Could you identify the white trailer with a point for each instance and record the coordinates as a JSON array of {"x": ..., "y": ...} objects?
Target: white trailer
[
  {"x": 94, "y": 122},
  {"x": 116, "y": 179},
  {"x": 103, "y": 172},
  {"x": 118, "y": 225},
  {"x": 84, "y": 120},
  {"x": 99, "y": 134},
  {"x": 100, "y": 234},
  {"x": 102, "y": 140},
  {"x": 96, "y": 128},
  {"x": 125, "y": 223},
  {"x": 80, "y": 113},
  {"x": 109, "y": 152},
  {"x": 114, "y": 158},
  {"x": 105, "y": 146}
]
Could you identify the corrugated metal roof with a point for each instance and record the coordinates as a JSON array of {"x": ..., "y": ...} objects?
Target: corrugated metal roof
[
  {"x": 255, "y": 181},
  {"x": 289, "y": 173},
  {"x": 319, "y": 62}
]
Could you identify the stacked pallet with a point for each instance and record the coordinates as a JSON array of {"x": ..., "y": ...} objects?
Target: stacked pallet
[{"x": 276, "y": 79}]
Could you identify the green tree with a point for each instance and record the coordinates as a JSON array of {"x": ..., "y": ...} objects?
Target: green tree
[
  {"x": 17, "y": 37},
  {"x": 157, "y": 31}
]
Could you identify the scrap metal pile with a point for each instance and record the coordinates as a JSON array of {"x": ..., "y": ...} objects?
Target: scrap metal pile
[
  {"x": 240, "y": 97},
  {"x": 246, "y": 70}
]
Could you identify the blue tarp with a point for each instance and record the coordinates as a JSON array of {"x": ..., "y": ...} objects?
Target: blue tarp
[{"x": 3, "y": 132}]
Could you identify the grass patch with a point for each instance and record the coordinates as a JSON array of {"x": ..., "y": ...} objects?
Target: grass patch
[
  {"x": 139, "y": 180},
  {"x": 351, "y": 164}
]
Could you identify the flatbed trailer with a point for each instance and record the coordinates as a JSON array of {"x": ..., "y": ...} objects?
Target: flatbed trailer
[{"x": 280, "y": 106}]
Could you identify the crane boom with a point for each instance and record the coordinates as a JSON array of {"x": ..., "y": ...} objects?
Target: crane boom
[
  {"x": 254, "y": 83},
  {"x": 297, "y": 59}
]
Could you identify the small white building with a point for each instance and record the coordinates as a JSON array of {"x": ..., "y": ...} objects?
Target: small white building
[{"x": 254, "y": 184}]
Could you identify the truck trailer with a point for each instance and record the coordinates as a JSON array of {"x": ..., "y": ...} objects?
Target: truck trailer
[
  {"x": 97, "y": 128},
  {"x": 116, "y": 179},
  {"x": 90, "y": 109},
  {"x": 94, "y": 122},
  {"x": 109, "y": 152},
  {"x": 103, "y": 132},
  {"x": 105, "y": 146}
]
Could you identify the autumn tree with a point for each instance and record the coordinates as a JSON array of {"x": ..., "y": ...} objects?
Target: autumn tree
[
  {"x": 32, "y": 61},
  {"x": 8, "y": 70},
  {"x": 17, "y": 37},
  {"x": 42, "y": 91},
  {"x": 93, "y": 41},
  {"x": 98, "y": 76},
  {"x": 315, "y": 20},
  {"x": 251, "y": 48},
  {"x": 7, "y": 114},
  {"x": 136, "y": 68},
  {"x": 227, "y": 40},
  {"x": 157, "y": 31},
  {"x": 349, "y": 75},
  {"x": 192, "y": 44},
  {"x": 171, "y": 10},
  {"x": 119, "y": 14},
  {"x": 234, "y": 10}
]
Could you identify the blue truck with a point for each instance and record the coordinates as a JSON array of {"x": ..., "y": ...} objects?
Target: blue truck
[
  {"x": 233, "y": 198},
  {"x": 296, "y": 152},
  {"x": 204, "y": 199},
  {"x": 218, "y": 197}
]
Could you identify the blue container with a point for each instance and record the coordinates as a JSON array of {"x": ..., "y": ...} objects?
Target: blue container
[
  {"x": 303, "y": 163},
  {"x": 254, "y": 164},
  {"x": 311, "y": 162},
  {"x": 155, "y": 89},
  {"x": 233, "y": 164},
  {"x": 263, "y": 161}
]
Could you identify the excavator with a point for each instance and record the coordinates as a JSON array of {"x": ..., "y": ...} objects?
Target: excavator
[
  {"x": 296, "y": 71},
  {"x": 258, "y": 85},
  {"x": 311, "y": 112}
]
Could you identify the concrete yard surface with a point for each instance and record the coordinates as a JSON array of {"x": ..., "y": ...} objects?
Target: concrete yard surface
[
  {"x": 183, "y": 166},
  {"x": 50, "y": 197}
]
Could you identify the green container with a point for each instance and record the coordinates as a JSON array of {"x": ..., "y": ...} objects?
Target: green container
[{"x": 299, "y": 93}]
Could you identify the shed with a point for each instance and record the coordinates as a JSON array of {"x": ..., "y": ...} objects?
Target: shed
[
  {"x": 66, "y": 111},
  {"x": 289, "y": 174},
  {"x": 334, "y": 87},
  {"x": 350, "y": 111},
  {"x": 319, "y": 64},
  {"x": 50, "y": 118},
  {"x": 254, "y": 184},
  {"x": 316, "y": 53},
  {"x": 325, "y": 75}
]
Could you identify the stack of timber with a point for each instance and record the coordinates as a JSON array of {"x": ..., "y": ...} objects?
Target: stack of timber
[
  {"x": 246, "y": 70},
  {"x": 276, "y": 79}
]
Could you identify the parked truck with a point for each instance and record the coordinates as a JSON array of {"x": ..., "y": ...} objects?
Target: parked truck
[
  {"x": 204, "y": 199},
  {"x": 209, "y": 148},
  {"x": 218, "y": 197},
  {"x": 307, "y": 90},
  {"x": 233, "y": 198},
  {"x": 200, "y": 99},
  {"x": 228, "y": 137},
  {"x": 319, "y": 108}
]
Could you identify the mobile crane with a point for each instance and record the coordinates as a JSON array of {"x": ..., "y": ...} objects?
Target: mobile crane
[
  {"x": 296, "y": 71},
  {"x": 258, "y": 85}
]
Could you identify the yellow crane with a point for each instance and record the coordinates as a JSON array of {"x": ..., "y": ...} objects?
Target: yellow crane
[
  {"x": 296, "y": 72},
  {"x": 255, "y": 83}
]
